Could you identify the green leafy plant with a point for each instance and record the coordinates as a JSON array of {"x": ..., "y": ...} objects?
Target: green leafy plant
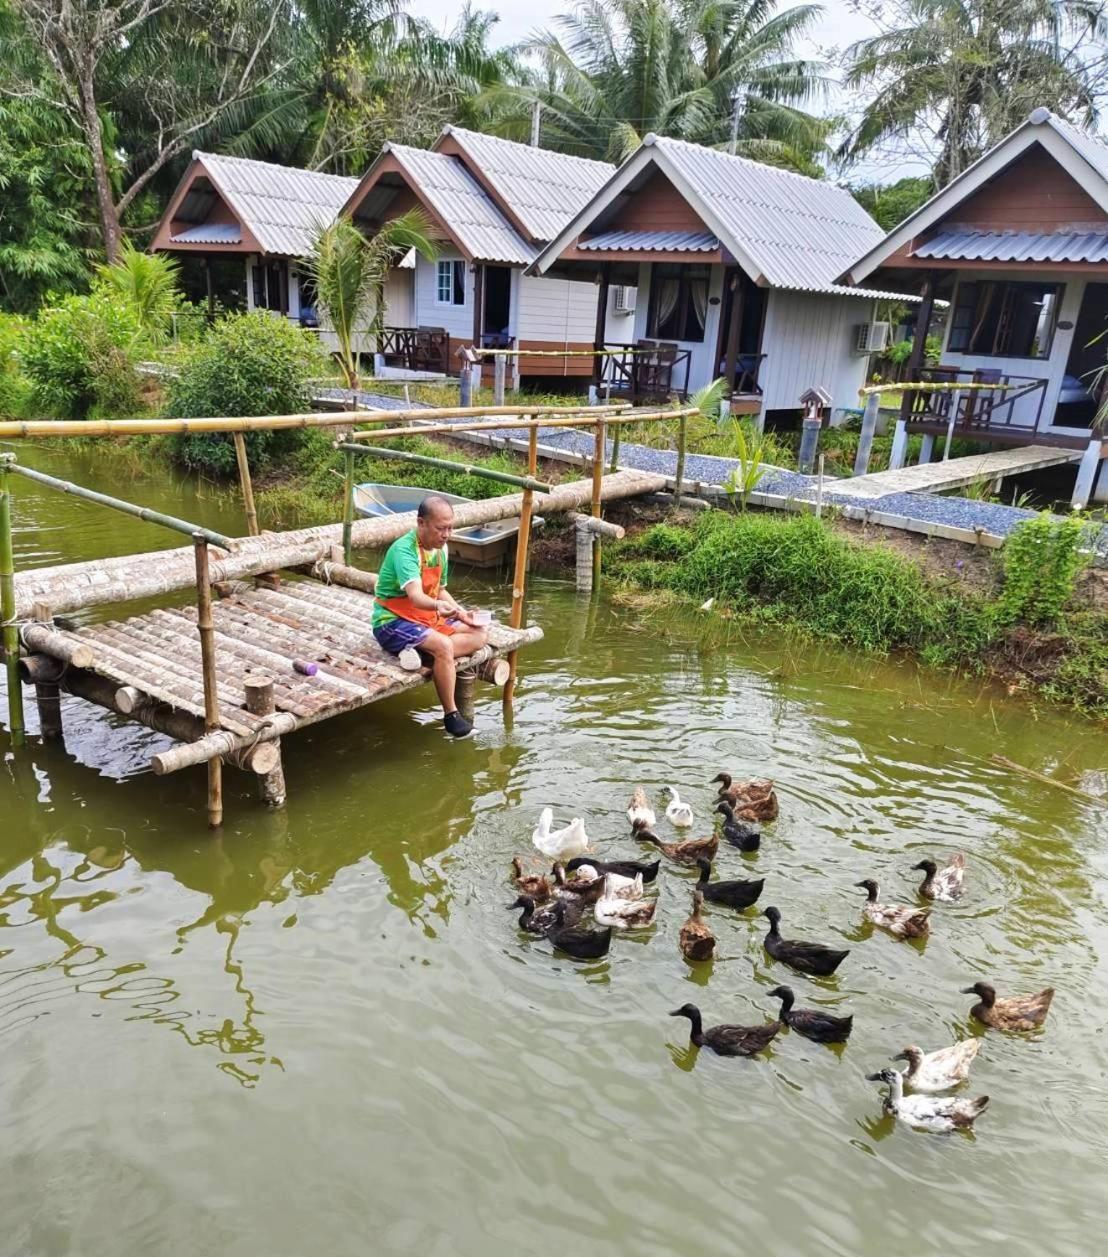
[
  {"x": 15, "y": 388},
  {"x": 249, "y": 364},
  {"x": 349, "y": 272},
  {"x": 149, "y": 281},
  {"x": 1042, "y": 559},
  {"x": 80, "y": 354},
  {"x": 750, "y": 450}
]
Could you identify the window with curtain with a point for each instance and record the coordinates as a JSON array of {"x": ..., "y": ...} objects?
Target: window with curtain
[
  {"x": 450, "y": 283},
  {"x": 678, "y": 302},
  {"x": 1004, "y": 319}
]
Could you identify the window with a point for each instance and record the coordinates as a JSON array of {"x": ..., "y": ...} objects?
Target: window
[
  {"x": 271, "y": 286},
  {"x": 450, "y": 283},
  {"x": 1000, "y": 319},
  {"x": 678, "y": 302}
]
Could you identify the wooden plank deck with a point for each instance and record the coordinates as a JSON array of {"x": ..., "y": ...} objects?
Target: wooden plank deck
[
  {"x": 261, "y": 632},
  {"x": 953, "y": 474}
]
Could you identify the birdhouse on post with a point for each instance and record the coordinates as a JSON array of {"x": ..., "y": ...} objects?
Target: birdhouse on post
[{"x": 814, "y": 400}]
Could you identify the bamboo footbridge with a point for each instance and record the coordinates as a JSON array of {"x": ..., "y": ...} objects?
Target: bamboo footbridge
[{"x": 279, "y": 637}]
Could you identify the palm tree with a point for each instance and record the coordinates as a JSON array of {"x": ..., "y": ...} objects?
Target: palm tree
[
  {"x": 955, "y": 76},
  {"x": 617, "y": 69},
  {"x": 149, "y": 282},
  {"x": 349, "y": 272}
]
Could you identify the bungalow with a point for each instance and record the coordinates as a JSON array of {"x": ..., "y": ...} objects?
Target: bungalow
[
  {"x": 492, "y": 205},
  {"x": 734, "y": 267},
  {"x": 1019, "y": 244}
]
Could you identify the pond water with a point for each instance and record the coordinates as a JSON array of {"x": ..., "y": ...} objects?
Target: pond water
[{"x": 320, "y": 1030}]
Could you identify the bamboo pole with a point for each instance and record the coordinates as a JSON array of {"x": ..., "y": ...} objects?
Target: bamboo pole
[
  {"x": 7, "y": 608},
  {"x": 523, "y": 543},
  {"x": 207, "y": 659},
  {"x": 585, "y": 419},
  {"x": 679, "y": 478},
  {"x": 266, "y": 423},
  {"x": 469, "y": 469},
  {"x": 119, "y": 504},
  {"x": 616, "y": 434},
  {"x": 246, "y": 484},
  {"x": 348, "y": 507},
  {"x": 597, "y": 480}
]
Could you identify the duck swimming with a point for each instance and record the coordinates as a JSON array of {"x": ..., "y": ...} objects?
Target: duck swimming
[
  {"x": 582, "y": 943},
  {"x": 696, "y": 939},
  {"x": 686, "y": 852},
  {"x": 926, "y": 1112},
  {"x": 582, "y": 887},
  {"x": 1017, "y": 1012},
  {"x": 560, "y": 844},
  {"x": 941, "y": 1070},
  {"x": 812, "y": 958},
  {"x": 537, "y": 885},
  {"x": 739, "y": 834},
  {"x": 625, "y": 868},
  {"x": 728, "y": 1040},
  {"x": 898, "y": 919},
  {"x": 639, "y": 809},
  {"x": 735, "y": 894},
  {"x": 536, "y": 920},
  {"x": 943, "y": 884},
  {"x": 612, "y": 909},
  {"x": 680, "y": 815},
  {"x": 810, "y": 1022},
  {"x": 753, "y": 800}
]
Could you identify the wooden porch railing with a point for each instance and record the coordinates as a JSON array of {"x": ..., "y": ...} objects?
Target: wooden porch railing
[
  {"x": 977, "y": 410},
  {"x": 416, "y": 348}
]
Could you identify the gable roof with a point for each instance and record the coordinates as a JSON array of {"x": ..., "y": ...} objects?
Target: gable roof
[
  {"x": 542, "y": 188},
  {"x": 1083, "y": 156},
  {"x": 784, "y": 229},
  {"x": 280, "y": 206}
]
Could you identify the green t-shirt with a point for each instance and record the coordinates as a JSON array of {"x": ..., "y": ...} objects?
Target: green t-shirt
[{"x": 401, "y": 565}]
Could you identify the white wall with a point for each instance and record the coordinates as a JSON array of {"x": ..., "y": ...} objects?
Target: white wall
[
  {"x": 808, "y": 340},
  {"x": 1051, "y": 369},
  {"x": 457, "y": 320},
  {"x": 558, "y": 311}
]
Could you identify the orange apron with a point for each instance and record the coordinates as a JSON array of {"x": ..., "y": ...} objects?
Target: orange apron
[{"x": 430, "y": 581}]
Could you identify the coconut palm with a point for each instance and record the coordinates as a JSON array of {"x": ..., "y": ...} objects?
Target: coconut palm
[
  {"x": 348, "y": 272},
  {"x": 149, "y": 281},
  {"x": 616, "y": 69},
  {"x": 955, "y": 76}
]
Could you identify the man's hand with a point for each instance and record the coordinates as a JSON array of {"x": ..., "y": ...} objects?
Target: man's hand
[{"x": 465, "y": 617}]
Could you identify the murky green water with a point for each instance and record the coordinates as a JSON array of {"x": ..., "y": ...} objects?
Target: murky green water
[{"x": 320, "y": 1032}]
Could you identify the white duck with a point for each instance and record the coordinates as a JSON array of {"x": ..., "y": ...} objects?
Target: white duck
[
  {"x": 560, "y": 844},
  {"x": 944, "y": 884},
  {"x": 639, "y": 811},
  {"x": 927, "y": 1112},
  {"x": 610, "y": 909},
  {"x": 938, "y": 1071},
  {"x": 680, "y": 815}
]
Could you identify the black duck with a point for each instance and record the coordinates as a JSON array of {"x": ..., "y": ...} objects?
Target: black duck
[
  {"x": 810, "y": 1022},
  {"x": 735, "y": 894},
  {"x": 739, "y": 834},
  {"x": 581, "y": 943},
  {"x": 728, "y": 1040},
  {"x": 624, "y": 868},
  {"x": 812, "y": 958}
]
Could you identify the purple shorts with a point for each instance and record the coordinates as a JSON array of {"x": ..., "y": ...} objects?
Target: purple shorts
[{"x": 397, "y": 635}]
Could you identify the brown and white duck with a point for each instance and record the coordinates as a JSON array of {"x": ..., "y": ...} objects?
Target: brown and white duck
[
  {"x": 754, "y": 799},
  {"x": 1016, "y": 1012},
  {"x": 899, "y": 919},
  {"x": 943, "y": 884},
  {"x": 535, "y": 885},
  {"x": 686, "y": 852}
]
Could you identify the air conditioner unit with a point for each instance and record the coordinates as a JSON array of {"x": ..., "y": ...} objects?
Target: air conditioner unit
[
  {"x": 624, "y": 300},
  {"x": 871, "y": 338}
]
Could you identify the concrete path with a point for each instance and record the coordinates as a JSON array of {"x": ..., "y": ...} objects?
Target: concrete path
[{"x": 956, "y": 473}]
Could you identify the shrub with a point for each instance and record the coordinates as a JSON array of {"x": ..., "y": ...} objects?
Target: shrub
[
  {"x": 148, "y": 281},
  {"x": 80, "y": 354},
  {"x": 249, "y": 364},
  {"x": 14, "y": 386},
  {"x": 1042, "y": 560}
]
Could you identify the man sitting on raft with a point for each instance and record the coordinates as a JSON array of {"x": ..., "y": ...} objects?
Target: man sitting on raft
[{"x": 413, "y": 610}]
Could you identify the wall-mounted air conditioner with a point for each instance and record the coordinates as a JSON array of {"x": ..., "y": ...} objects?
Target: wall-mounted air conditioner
[
  {"x": 623, "y": 301},
  {"x": 871, "y": 338}
]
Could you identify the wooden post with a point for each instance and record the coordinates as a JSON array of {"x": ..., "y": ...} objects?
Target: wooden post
[
  {"x": 597, "y": 482},
  {"x": 464, "y": 686},
  {"x": 919, "y": 343},
  {"x": 7, "y": 609},
  {"x": 865, "y": 439},
  {"x": 523, "y": 543},
  {"x": 499, "y": 370},
  {"x": 584, "y": 554},
  {"x": 735, "y": 318},
  {"x": 601, "y": 324},
  {"x": 348, "y": 510},
  {"x": 679, "y": 478},
  {"x": 246, "y": 484},
  {"x": 48, "y": 698},
  {"x": 207, "y": 659},
  {"x": 260, "y": 702}
]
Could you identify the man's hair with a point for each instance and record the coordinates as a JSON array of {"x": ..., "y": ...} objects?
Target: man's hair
[{"x": 430, "y": 503}]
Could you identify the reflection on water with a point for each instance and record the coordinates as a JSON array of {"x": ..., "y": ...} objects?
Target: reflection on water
[{"x": 319, "y": 1029}]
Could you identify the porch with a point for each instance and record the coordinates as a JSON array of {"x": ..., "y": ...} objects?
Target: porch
[{"x": 415, "y": 349}]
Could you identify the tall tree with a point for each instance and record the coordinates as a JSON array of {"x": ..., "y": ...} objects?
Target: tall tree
[
  {"x": 616, "y": 69},
  {"x": 191, "y": 64},
  {"x": 945, "y": 79}
]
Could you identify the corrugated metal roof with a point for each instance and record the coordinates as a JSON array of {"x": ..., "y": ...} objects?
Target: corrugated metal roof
[
  {"x": 464, "y": 206},
  {"x": 660, "y": 241},
  {"x": 799, "y": 233},
  {"x": 968, "y": 244},
  {"x": 281, "y": 206},
  {"x": 1090, "y": 146},
  {"x": 210, "y": 233},
  {"x": 544, "y": 189}
]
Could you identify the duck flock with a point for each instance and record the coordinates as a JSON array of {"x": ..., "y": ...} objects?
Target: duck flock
[{"x": 583, "y": 902}]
